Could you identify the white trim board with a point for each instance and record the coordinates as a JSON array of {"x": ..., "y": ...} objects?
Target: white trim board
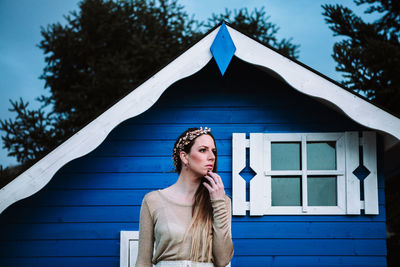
[
  {"x": 129, "y": 248},
  {"x": 93, "y": 134},
  {"x": 190, "y": 62},
  {"x": 129, "y": 245},
  {"x": 312, "y": 84}
]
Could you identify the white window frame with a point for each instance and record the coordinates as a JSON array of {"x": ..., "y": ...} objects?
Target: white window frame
[
  {"x": 303, "y": 138},
  {"x": 347, "y": 160}
]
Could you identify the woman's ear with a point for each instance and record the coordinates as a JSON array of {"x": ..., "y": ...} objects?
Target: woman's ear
[{"x": 183, "y": 157}]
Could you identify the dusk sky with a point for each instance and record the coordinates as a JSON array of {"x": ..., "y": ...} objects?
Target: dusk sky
[{"x": 22, "y": 62}]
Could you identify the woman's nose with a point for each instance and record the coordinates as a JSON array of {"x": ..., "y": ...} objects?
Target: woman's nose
[{"x": 211, "y": 155}]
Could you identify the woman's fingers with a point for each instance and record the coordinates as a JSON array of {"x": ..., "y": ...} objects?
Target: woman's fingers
[
  {"x": 220, "y": 180},
  {"x": 207, "y": 186},
  {"x": 212, "y": 182},
  {"x": 217, "y": 179},
  {"x": 215, "y": 187}
]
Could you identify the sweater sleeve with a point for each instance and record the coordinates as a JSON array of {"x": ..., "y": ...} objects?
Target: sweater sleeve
[
  {"x": 146, "y": 237},
  {"x": 222, "y": 238}
]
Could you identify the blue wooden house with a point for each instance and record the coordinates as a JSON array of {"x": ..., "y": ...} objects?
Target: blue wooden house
[{"x": 300, "y": 156}]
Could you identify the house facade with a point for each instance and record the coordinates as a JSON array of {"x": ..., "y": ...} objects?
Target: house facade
[{"x": 301, "y": 158}]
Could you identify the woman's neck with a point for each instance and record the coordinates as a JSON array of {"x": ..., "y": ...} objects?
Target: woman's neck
[{"x": 186, "y": 185}]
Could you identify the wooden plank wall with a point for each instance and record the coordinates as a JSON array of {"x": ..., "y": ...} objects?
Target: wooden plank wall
[{"x": 76, "y": 219}]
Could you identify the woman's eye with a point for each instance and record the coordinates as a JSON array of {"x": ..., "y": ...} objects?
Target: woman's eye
[{"x": 202, "y": 150}]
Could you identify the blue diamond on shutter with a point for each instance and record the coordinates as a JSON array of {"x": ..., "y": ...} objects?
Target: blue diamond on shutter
[
  {"x": 247, "y": 174},
  {"x": 361, "y": 172},
  {"x": 223, "y": 48}
]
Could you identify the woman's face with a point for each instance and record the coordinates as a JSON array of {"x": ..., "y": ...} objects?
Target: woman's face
[{"x": 202, "y": 155}]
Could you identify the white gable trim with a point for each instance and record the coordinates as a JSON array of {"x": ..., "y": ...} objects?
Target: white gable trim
[
  {"x": 193, "y": 60},
  {"x": 93, "y": 134},
  {"x": 312, "y": 84}
]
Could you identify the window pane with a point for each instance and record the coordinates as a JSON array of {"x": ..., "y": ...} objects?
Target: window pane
[
  {"x": 286, "y": 191},
  {"x": 321, "y": 156},
  {"x": 285, "y": 156},
  {"x": 321, "y": 191}
]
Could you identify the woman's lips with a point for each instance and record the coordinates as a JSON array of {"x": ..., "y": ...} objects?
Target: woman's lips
[{"x": 209, "y": 166}]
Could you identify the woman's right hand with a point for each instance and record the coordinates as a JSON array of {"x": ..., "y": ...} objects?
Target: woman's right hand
[{"x": 215, "y": 186}]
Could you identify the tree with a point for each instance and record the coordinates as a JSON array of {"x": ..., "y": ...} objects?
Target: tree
[
  {"x": 29, "y": 130},
  {"x": 103, "y": 52},
  {"x": 369, "y": 55},
  {"x": 370, "y": 58}
]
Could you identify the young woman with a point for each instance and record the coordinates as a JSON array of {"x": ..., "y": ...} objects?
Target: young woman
[{"x": 190, "y": 221}]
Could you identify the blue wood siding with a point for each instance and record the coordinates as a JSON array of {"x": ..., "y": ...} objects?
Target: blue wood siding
[{"x": 77, "y": 218}]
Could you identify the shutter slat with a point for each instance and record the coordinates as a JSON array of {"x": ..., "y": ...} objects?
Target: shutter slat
[
  {"x": 371, "y": 181},
  {"x": 238, "y": 183},
  {"x": 258, "y": 190},
  {"x": 352, "y": 182}
]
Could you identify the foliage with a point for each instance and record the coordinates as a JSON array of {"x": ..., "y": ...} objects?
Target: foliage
[
  {"x": 369, "y": 55},
  {"x": 28, "y": 132},
  {"x": 101, "y": 54},
  {"x": 103, "y": 51},
  {"x": 9, "y": 173},
  {"x": 393, "y": 219}
]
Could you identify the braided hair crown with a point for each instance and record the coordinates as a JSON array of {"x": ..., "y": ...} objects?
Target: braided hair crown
[{"x": 185, "y": 140}]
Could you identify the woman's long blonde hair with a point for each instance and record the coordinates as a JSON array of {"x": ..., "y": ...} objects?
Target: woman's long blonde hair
[{"x": 201, "y": 225}]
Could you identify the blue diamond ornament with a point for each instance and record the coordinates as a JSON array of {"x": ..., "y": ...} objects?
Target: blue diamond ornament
[
  {"x": 361, "y": 172},
  {"x": 223, "y": 48}
]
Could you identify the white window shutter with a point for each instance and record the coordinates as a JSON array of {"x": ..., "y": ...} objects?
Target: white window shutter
[
  {"x": 353, "y": 202},
  {"x": 371, "y": 181},
  {"x": 258, "y": 189},
  {"x": 348, "y": 160},
  {"x": 239, "y": 205}
]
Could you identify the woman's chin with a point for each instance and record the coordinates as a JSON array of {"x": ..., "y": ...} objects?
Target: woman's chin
[{"x": 203, "y": 173}]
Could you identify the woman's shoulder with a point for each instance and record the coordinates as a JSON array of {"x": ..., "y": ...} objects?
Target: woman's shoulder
[
  {"x": 152, "y": 201},
  {"x": 151, "y": 196}
]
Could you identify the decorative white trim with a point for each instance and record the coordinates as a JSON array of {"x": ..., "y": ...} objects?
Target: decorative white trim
[
  {"x": 352, "y": 182},
  {"x": 93, "y": 134},
  {"x": 312, "y": 84},
  {"x": 371, "y": 181},
  {"x": 258, "y": 191},
  {"x": 239, "y": 205},
  {"x": 193, "y": 60},
  {"x": 347, "y": 184}
]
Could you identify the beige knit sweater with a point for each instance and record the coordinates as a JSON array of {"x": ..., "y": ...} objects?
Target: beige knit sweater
[{"x": 164, "y": 221}]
